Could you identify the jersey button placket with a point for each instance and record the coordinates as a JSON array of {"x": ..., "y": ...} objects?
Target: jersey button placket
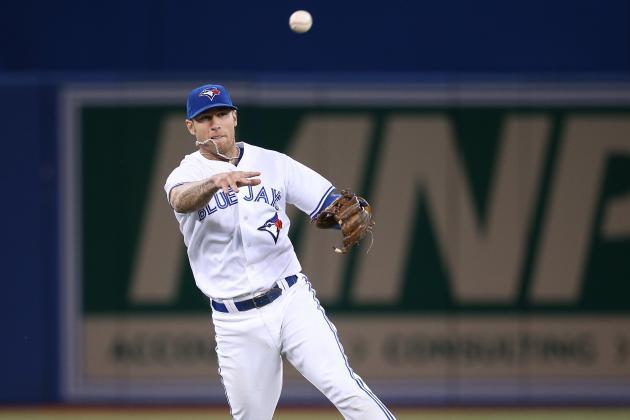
[{"x": 245, "y": 218}]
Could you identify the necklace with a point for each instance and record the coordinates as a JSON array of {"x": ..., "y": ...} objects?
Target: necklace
[
  {"x": 216, "y": 148},
  {"x": 228, "y": 158}
]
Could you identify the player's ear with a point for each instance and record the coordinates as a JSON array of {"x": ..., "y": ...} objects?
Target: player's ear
[
  {"x": 190, "y": 126},
  {"x": 235, "y": 118}
]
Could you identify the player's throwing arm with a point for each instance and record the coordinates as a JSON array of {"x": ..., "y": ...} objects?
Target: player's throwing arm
[{"x": 192, "y": 196}]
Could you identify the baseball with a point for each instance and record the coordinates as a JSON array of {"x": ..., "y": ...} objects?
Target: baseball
[{"x": 300, "y": 21}]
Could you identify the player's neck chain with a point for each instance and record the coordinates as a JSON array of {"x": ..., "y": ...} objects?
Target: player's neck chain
[{"x": 217, "y": 154}]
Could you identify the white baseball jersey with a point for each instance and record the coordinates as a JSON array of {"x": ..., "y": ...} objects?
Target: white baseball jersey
[{"x": 238, "y": 244}]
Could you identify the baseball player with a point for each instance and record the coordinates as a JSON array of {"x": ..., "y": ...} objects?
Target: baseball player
[{"x": 230, "y": 201}]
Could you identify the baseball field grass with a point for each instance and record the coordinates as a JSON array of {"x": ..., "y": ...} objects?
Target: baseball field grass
[{"x": 60, "y": 413}]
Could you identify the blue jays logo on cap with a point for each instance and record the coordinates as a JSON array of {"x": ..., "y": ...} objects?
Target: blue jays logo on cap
[
  {"x": 210, "y": 93},
  {"x": 273, "y": 227},
  {"x": 206, "y": 97}
]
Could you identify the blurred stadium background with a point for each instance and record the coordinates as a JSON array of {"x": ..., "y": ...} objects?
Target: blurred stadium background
[{"x": 492, "y": 137}]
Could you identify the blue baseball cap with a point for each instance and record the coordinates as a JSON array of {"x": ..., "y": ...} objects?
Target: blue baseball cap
[{"x": 206, "y": 97}]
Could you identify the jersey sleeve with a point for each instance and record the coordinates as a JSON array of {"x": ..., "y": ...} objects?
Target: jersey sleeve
[
  {"x": 306, "y": 189},
  {"x": 186, "y": 172}
]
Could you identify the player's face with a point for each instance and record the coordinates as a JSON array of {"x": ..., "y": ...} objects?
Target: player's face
[{"x": 219, "y": 124}]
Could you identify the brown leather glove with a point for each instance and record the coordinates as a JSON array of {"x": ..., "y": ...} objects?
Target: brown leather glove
[{"x": 354, "y": 216}]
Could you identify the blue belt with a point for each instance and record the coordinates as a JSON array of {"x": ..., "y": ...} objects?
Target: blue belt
[{"x": 258, "y": 301}]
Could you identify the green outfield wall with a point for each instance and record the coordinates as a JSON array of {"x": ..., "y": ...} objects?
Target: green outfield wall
[{"x": 499, "y": 269}]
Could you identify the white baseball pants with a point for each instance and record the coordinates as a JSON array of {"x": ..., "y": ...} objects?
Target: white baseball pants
[{"x": 250, "y": 345}]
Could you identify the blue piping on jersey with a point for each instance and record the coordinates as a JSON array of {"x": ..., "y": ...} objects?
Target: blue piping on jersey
[
  {"x": 329, "y": 200},
  {"x": 322, "y": 203}
]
